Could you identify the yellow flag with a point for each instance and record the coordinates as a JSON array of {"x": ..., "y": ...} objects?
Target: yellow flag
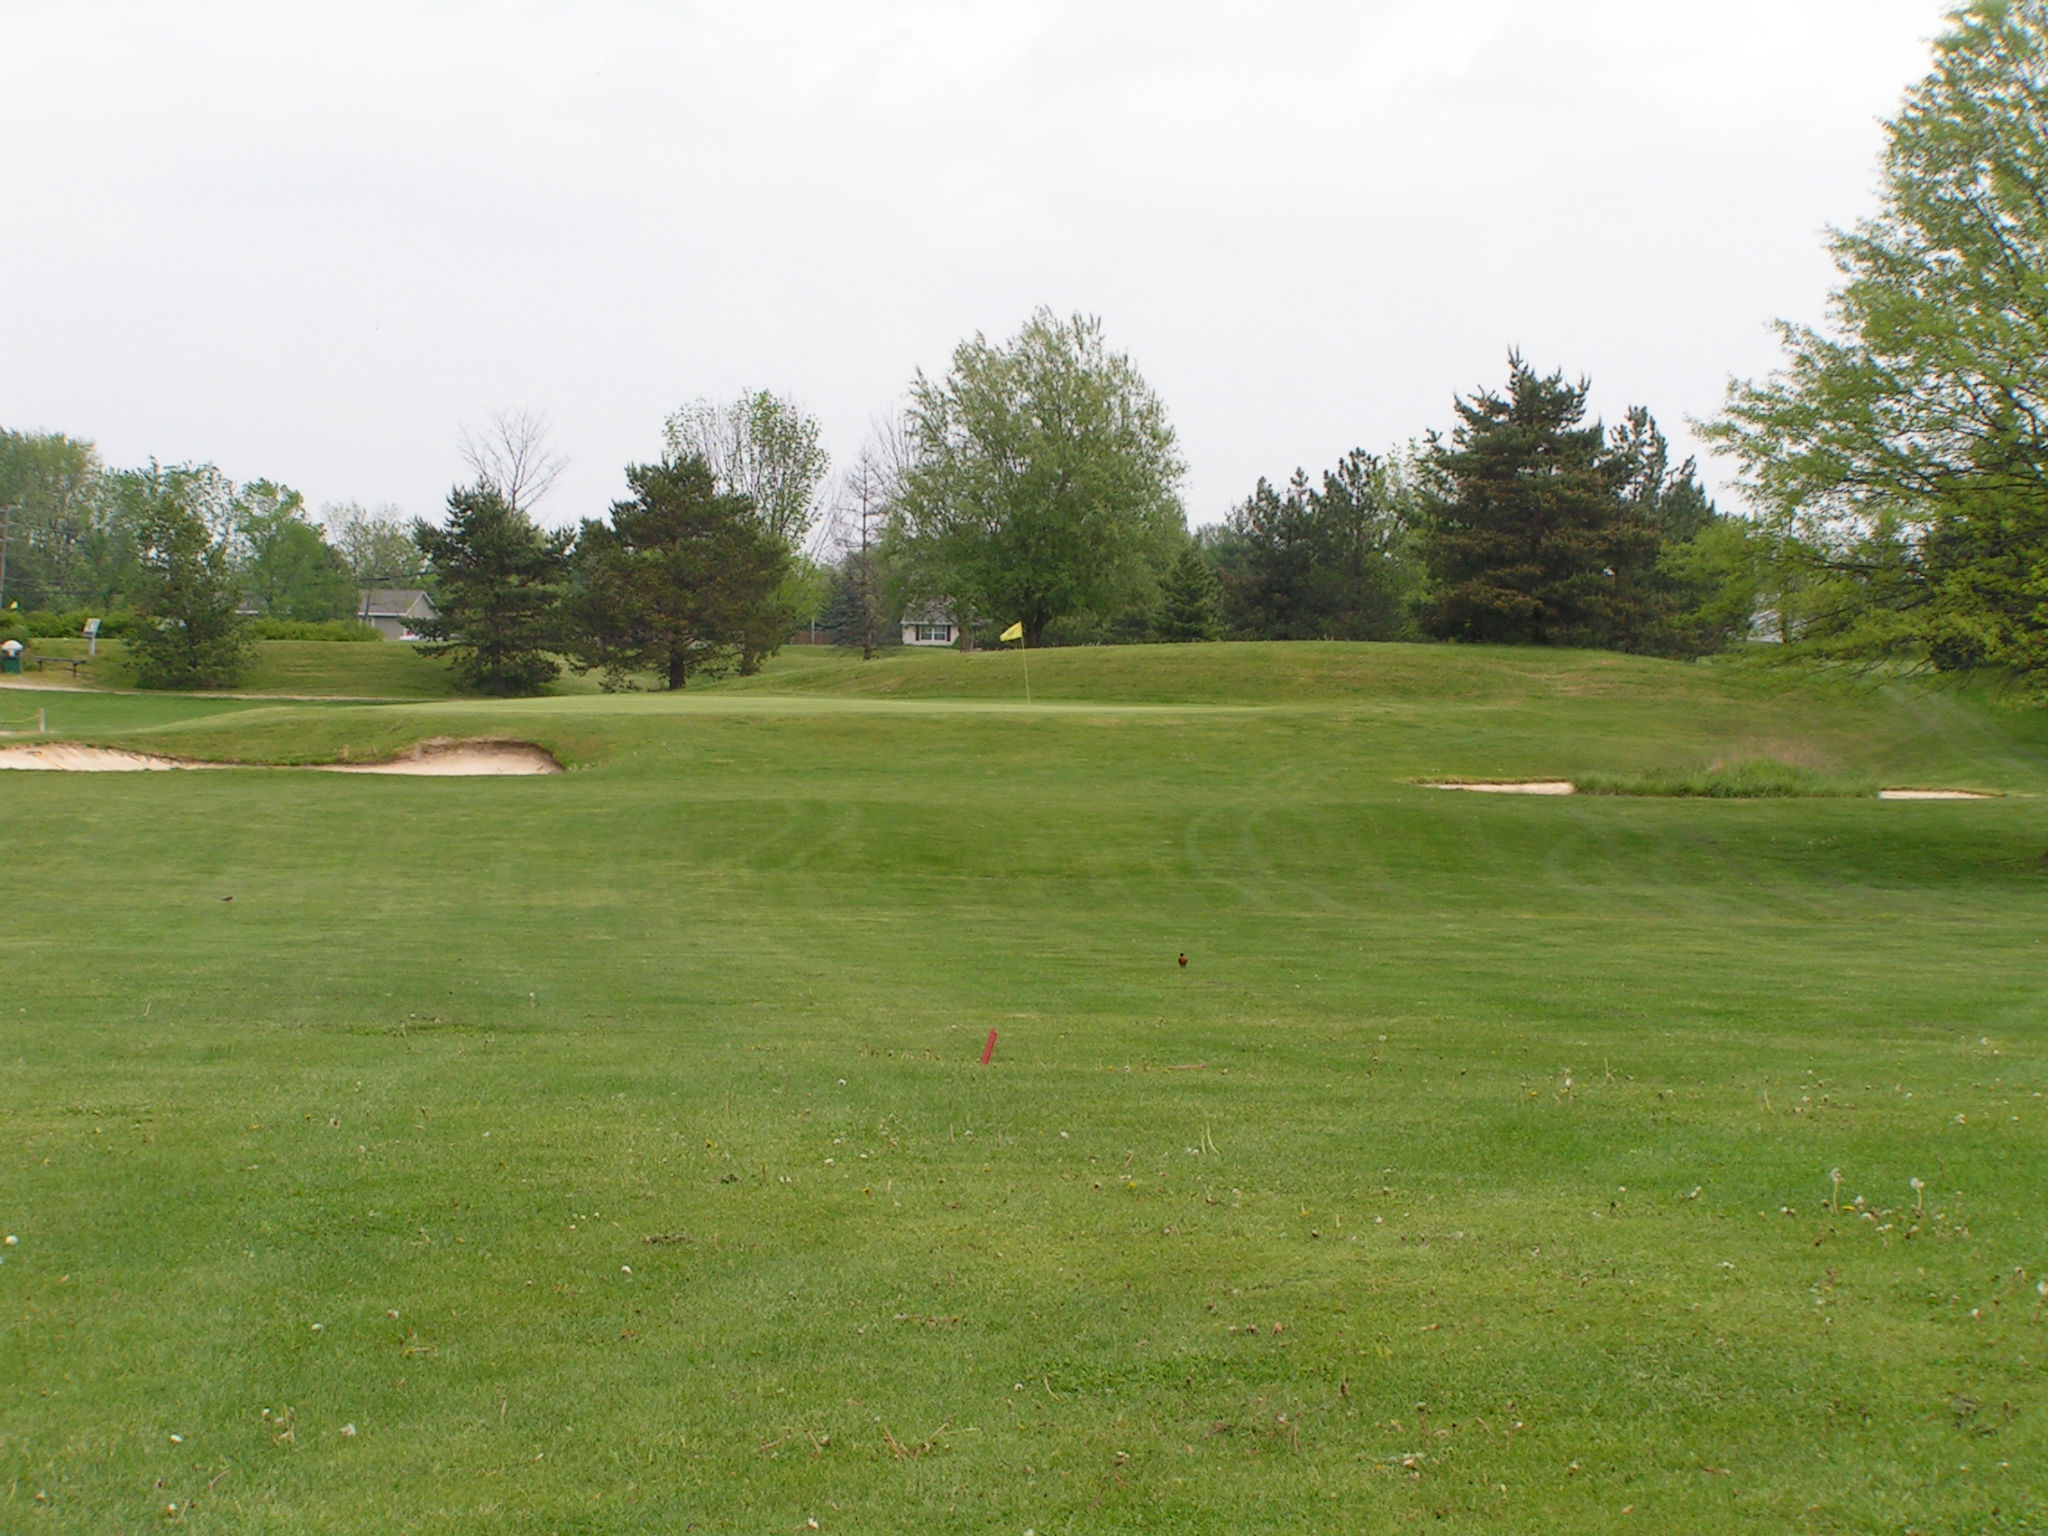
[{"x": 1014, "y": 632}]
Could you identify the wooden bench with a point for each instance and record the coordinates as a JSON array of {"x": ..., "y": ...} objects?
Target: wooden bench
[{"x": 73, "y": 662}]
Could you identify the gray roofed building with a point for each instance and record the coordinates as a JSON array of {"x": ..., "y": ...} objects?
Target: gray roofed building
[
  {"x": 394, "y": 611},
  {"x": 930, "y": 626}
]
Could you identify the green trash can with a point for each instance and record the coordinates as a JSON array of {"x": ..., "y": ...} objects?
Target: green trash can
[{"x": 10, "y": 657}]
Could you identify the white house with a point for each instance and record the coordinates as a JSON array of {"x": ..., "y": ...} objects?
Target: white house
[
  {"x": 393, "y": 611},
  {"x": 930, "y": 626}
]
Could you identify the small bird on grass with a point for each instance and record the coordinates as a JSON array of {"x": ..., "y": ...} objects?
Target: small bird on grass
[{"x": 1183, "y": 959}]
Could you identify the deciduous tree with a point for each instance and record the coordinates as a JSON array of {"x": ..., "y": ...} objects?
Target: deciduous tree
[
  {"x": 764, "y": 447},
  {"x": 860, "y": 517},
  {"x": 1043, "y": 480},
  {"x": 512, "y": 455},
  {"x": 377, "y": 547},
  {"x": 48, "y": 480},
  {"x": 188, "y": 590},
  {"x": 288, "y": 570},
  {"x": 1900, "y": 455}
]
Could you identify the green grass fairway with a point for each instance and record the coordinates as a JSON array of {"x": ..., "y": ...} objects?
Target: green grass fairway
[{"x": 609, "y": 1153}]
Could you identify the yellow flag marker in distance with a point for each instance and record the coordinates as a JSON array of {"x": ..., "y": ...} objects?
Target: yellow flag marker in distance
[{"x": 1016, "y": 632}]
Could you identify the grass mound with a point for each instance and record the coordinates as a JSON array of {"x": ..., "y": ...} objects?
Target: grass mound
[
  {"x": 292, "y": 668},
  {"x": 1759, "y": 778}
]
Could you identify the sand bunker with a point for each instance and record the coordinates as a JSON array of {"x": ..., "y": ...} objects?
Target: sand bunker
[
  {"x": 1531, "y": 787},
  {"x": 1566, "y": 787},
  {"x": 460, "y": 759},
  {"x": 432, "y": 759},
  {"x": 60, "y": 757}
]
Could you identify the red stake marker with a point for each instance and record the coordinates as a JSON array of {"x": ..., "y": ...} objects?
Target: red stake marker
[{"x": 990, "y": 1049}]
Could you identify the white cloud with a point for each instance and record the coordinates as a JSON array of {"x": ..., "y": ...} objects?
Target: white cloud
[{"x": 310, "y": 241}]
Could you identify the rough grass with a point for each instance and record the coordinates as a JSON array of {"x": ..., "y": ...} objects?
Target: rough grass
[
  {"x": 1474, "y": 1175},
  {"x": 294, "y": 668},
  {"x": 1747, "y": 779}
]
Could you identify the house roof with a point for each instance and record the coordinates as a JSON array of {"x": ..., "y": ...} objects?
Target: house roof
[
  {"x": 395, "y": 603},
  {"x": 932, "y": 615}
]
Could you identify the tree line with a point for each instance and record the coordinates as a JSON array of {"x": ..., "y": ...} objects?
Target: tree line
[
  {"x": 178, "y": 560},
  {"x": 1038, "y": 482},
  {"x": 78, "y": 534},
  {"x": 1896, "y": 470},
  {"x": 1035, "y": 482},
  {"x": 700, "y": 568}
]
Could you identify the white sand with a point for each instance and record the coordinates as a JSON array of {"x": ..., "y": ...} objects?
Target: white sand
[
  {"x": 439, "y": 759},
  {"x": 460, "y": 759},
  {"x": 1564, "y": 787},
  {"x": 1532, "y": 787},
  {"x": 62, "y": 757}
]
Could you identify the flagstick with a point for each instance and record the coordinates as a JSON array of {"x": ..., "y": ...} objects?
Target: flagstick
[{"x": 1024, "y": 649}]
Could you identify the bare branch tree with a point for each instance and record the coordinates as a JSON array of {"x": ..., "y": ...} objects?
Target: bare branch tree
[
  {"x": 859, "y": 512},
  {"x": 513, "y": 458},
  {"x": 376, "y": 546}
]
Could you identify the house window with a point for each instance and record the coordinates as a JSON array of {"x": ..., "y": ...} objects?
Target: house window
[{"x": 942, "y": 633}]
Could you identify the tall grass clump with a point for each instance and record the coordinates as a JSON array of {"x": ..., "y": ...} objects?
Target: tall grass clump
[{"x": 1757, "y": 778}]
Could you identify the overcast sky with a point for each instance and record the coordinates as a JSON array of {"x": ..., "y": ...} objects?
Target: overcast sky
[{"x": 314, "y": 241}]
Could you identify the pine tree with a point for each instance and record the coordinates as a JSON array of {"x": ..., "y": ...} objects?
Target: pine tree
[
  {"x": 682, "y": 580},
  {"x": 495, "y": 580},
  {"x": 1518, "y": 536},
  {"x": 1188, "y": 598},
  {"x": 1544, "y": 528},
  {"x": 1331, "y": 560}
]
